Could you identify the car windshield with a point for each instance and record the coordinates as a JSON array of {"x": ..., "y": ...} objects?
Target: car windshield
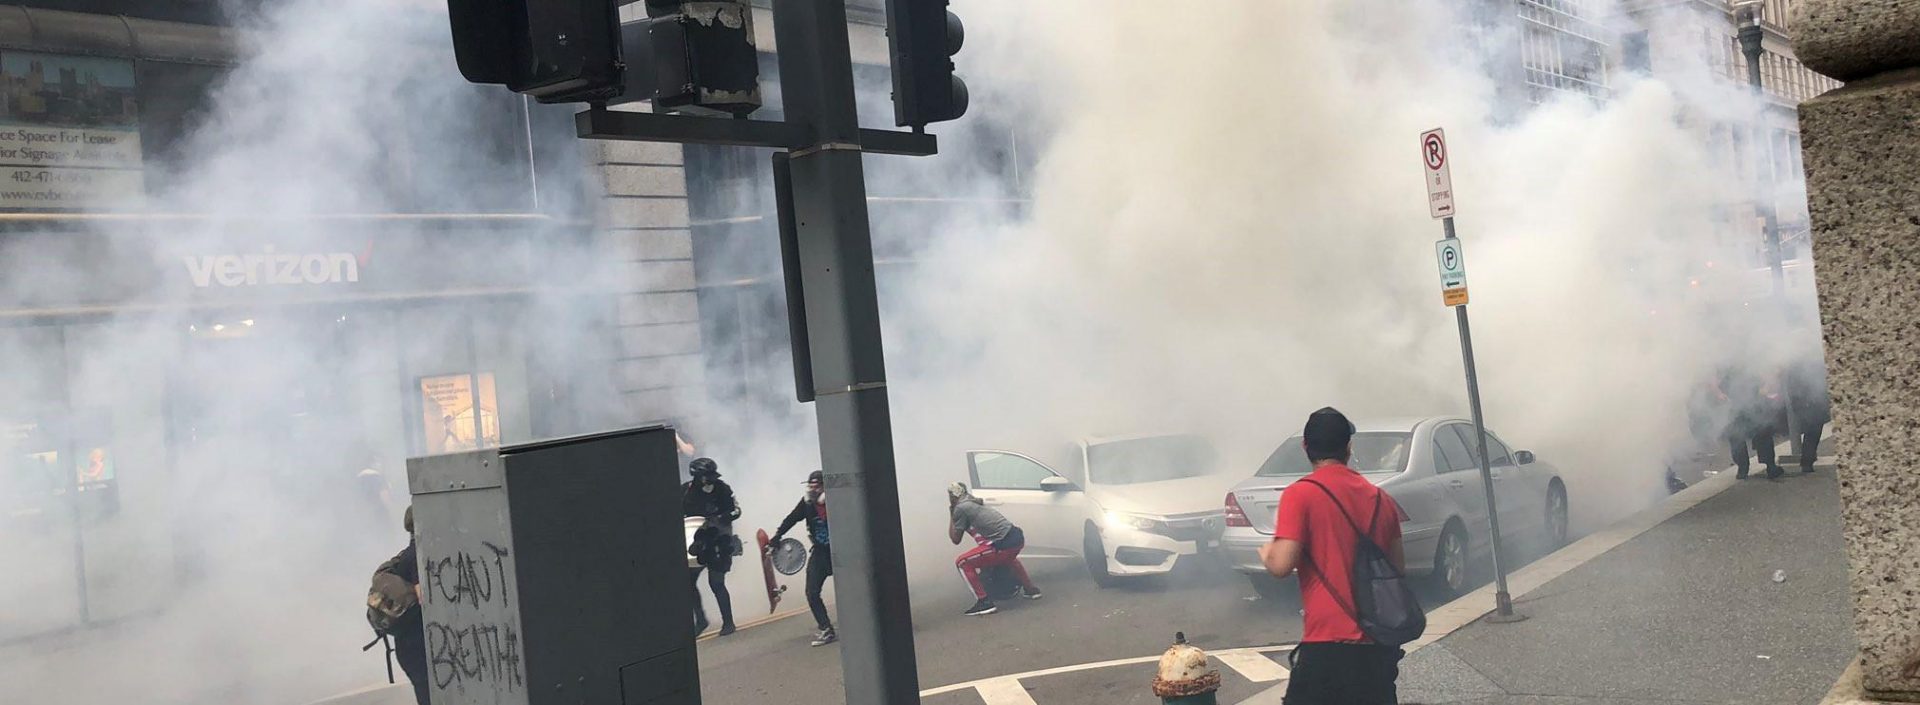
[
  {"x": 1150, "y": 459},
  {"x": 1373, "y": 454}
]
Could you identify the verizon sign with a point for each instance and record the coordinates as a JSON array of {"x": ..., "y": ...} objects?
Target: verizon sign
[{"x": 270, "y": 268}]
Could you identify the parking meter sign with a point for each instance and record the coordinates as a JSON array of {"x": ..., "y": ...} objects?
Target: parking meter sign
[{"x": 1433, "y": 155}]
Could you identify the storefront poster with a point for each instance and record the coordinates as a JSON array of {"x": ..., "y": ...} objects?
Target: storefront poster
[
  {"x": 94, "y": 468},
  {"x": 460, "y": 412},
  {"x": 69, "y": 132}
]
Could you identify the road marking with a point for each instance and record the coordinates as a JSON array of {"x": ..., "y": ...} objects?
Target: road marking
[
  {"x": 1005, "y": 691},
  {"x": 977, "y": 685},
  {"x": 1252, "y": 665}
]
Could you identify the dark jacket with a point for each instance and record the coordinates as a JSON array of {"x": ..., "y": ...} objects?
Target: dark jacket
[
  {"x": 816, "y": 520},
  {"x": 718, "y": 504}
]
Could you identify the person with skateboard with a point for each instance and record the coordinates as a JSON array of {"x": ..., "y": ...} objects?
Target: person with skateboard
[
  {"x": 812, "y": 509},
  {"x": 998, "y": 543},
  {"x": 715, "y": 544}
]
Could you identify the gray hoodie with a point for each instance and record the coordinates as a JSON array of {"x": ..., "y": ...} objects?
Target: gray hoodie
[{"x": 984, "y": 522}]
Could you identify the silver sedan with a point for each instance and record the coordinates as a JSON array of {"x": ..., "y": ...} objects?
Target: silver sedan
[{"x": 1431, "y": 467}]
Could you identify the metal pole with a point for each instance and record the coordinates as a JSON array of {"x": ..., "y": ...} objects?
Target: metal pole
[
  {"x": 849, "y": 375},
  {"x": 1752, "y": 43},
  {"x": 1503, "y": 600}
]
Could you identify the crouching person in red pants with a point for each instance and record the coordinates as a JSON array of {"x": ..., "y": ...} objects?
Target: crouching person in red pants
[{"x": 999, "y": 543}]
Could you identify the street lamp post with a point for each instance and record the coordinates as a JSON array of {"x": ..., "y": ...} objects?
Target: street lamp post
[{"x": 1750, "y": 16}]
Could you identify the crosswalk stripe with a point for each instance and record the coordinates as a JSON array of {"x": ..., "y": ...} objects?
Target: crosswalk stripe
[
  {"x": 1251, "y": 665},
  {"x": 1004, "y": 691}
]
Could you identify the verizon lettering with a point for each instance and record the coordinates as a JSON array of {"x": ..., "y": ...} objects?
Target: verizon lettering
[{"x": 272, "y": 269}]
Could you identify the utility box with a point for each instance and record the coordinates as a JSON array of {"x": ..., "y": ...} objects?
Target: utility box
[{"x": 553, "y": 572}]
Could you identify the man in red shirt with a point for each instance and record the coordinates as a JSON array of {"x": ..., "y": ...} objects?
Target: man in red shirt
[{"x": 1335, "y": 663}]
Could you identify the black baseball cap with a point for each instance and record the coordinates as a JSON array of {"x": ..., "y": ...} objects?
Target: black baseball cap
[
  {"x": 1327, "y": 434},
  {"x": 816, "y": 477}
]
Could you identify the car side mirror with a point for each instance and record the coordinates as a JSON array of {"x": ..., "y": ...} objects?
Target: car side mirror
[
  {"x": 1057, "y": 484},
  {"x": 1524, "y": 457}
]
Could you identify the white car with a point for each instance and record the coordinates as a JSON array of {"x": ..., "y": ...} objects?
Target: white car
[{"x": 1128, "y": 506}]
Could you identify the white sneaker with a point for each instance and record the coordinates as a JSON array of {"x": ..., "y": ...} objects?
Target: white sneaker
[{"x": 825, "y": 637}]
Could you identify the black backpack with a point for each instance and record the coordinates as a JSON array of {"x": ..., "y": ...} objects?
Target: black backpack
[{"x": 1384, "y": 604}]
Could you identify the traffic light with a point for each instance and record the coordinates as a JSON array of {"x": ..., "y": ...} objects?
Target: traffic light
[
  {"x": 697, "y": 58},
  {"x": 558, "y": 51},
  {"x": 922, "y": 37}
]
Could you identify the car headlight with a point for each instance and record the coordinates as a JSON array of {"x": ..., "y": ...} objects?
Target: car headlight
[{"x": 1122, "y": 520}]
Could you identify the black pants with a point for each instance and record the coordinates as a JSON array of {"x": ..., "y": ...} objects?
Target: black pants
[
  {"x": 1809, "y": 446},
  {"x": 819, "y": 568},
  {"x": 1344, "y": 674},
  {"x": 717, "y": 582},
  {"x": 1762, "y": 444},
  {"x": 410, "y": 649}
]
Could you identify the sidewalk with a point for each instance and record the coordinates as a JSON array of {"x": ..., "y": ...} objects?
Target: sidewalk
[{"x": 1682, "y": 610}]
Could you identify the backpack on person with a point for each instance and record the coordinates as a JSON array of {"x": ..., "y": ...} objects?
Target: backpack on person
[
  {"x": 1384, "y": 605},
  {"x": 389, "y": 597}
]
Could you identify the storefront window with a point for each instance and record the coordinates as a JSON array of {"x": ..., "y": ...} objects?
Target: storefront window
[{"x": 460, "y": 412}]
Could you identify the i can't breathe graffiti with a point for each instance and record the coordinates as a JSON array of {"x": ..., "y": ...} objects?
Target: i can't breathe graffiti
[{"x": 473, "y": 635}]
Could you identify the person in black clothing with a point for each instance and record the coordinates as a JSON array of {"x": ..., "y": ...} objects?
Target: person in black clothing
[
  {"x": 714, "y": 544},
  {"x": 1812, "y": 408},
  {"x": 812, "y": 509},
  {"x": 409, "y": 631},
  {"x": 1752, "y": 419}
]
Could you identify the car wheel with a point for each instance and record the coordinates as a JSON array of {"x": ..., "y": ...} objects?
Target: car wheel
[
  {"x": 1556, "y": 515},
  {"x": 1096, "y": 555},
  {"x": 1450, "y": 562},
  {"x": 1272, "y": 589}
]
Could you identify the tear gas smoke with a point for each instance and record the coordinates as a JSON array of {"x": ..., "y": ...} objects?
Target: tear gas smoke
[
  {"x": 1227, "y": 230},
  {"x": 1222, "y": 229},
  {"x": 234, "y": 565}
]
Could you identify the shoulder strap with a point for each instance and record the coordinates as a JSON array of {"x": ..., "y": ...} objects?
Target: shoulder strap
[{"x": 1372, "y": 521}]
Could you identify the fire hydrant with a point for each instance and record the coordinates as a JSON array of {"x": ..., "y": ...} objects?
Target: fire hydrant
[{"x": 1184, "y": 677}]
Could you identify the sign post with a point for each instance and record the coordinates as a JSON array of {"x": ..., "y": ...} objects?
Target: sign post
[{"x": 1452, "y": 262}]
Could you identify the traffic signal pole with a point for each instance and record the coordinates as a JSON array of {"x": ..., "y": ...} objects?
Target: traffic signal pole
[
  {"x": 829, "y": 212},
  {"x": 826, "y": 244}
]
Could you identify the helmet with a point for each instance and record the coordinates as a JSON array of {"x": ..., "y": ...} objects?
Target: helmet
[
  {"x": 407, "y": 521},
  {"x": 704, "y": 466}
]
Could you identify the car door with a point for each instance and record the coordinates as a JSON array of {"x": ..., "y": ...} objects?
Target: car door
[
  {"x": 1522, "y": 502},
  {"x": 1011, "y": 483},
  {"x": 1462, "y": 481},
  {"x": 1509, "y": 489}
]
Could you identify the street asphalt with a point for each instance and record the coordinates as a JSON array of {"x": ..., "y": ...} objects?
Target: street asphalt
[{"x": 1075, "y": 625}]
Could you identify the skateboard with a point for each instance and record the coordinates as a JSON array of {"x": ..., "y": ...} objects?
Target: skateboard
[{"x": 774, "y": 590}]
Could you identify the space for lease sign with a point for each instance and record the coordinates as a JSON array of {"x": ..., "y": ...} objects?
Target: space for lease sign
[{"x": 69, "y": 132}]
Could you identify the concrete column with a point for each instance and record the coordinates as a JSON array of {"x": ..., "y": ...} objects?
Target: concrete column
[
  {"x": 1862, "y": 150},
  {"x": 644, "y": 233}
]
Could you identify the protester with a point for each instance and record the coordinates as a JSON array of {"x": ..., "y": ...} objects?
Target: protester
[
  {"x": 394, "y": 611},
  {"x": 714, "y": 545},
  {"x": 812, "y": 509},
  {"x": 998, "y": 543},
  {"x": 1315, "y": 532}
]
